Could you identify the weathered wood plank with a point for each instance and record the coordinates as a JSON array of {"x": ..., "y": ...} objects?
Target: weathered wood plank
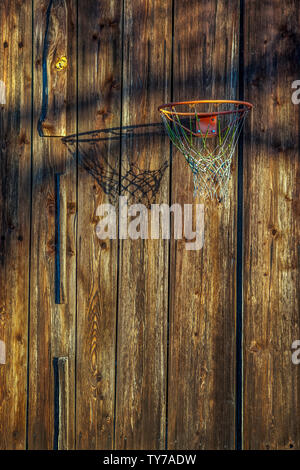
[
  {"x": 99, "y": 107},
  {"x": 201, "y": 387},
  {"x": 15, "y": 158},
  {"x": 2, "y": 352},
  {"x": 63, "y": 403},
  {"x": 62, "y": 238},
  {"x": 52, "y": 326},
  {"x": 53, "y": 117},
  {"x": 271, "y": 227},
  {"x": 143, "y": 293},
  {"x": 2, "y": 92}
]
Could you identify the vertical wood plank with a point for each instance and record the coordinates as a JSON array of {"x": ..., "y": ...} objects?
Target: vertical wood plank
[
  {"x": 99, "y": 107},
  {"x": 63, "y": 403},
  {"x": 2, "y": 92},
  {"x": 62, "y": 236},
  {"x": 201, "y": 387},
  {"x": 271, "y": 227},
  {"x": 52, "y": 326},
  {"x": 143, "y": 292},
  {"x": 2, "y": 352},
  {"x": 15, "y": 164},
  {"x": 53, "y": 117}
]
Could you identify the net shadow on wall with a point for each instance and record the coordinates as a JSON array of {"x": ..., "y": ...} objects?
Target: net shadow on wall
[{"x": 95, "y": 155}]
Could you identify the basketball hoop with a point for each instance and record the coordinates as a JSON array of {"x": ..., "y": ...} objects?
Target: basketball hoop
[{"x": 206, "y": 132}]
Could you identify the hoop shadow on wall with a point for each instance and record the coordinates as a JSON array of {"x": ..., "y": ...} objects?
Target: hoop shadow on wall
[{"x": 95, "y": 151}]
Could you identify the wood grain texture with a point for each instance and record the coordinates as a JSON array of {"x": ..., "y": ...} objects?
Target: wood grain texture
[
  {"x": 154, "y": 323},
  {"x": 2, "y": 352},
  {"x": 15, "y": 158},
  {"x": 201, "y": 386},
  {"x": 53, "y": 118},
  {"x": 2, "y": 92},
  {"x": 271, "y": 227},
  {"x": 99, "y": 106},
  {"x": 62, "y": 241},
  {"x": 63, "y": 403},
  {"x": 143, "y": 291},
  {"x": 52, "y": 326}
]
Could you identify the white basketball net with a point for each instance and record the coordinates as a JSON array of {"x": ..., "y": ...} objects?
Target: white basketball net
[{"x": 207, "y": 146}]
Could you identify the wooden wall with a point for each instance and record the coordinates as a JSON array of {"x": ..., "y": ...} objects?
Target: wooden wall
[{"x": 142, "y": 344}]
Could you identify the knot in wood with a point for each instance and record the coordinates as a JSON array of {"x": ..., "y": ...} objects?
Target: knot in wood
[{"x": 62, "y": 63}]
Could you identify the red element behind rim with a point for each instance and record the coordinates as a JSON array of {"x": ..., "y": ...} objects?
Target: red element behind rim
[
  {"x": 170, "y": 113},
  {"x": 247, "y": 106}
]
